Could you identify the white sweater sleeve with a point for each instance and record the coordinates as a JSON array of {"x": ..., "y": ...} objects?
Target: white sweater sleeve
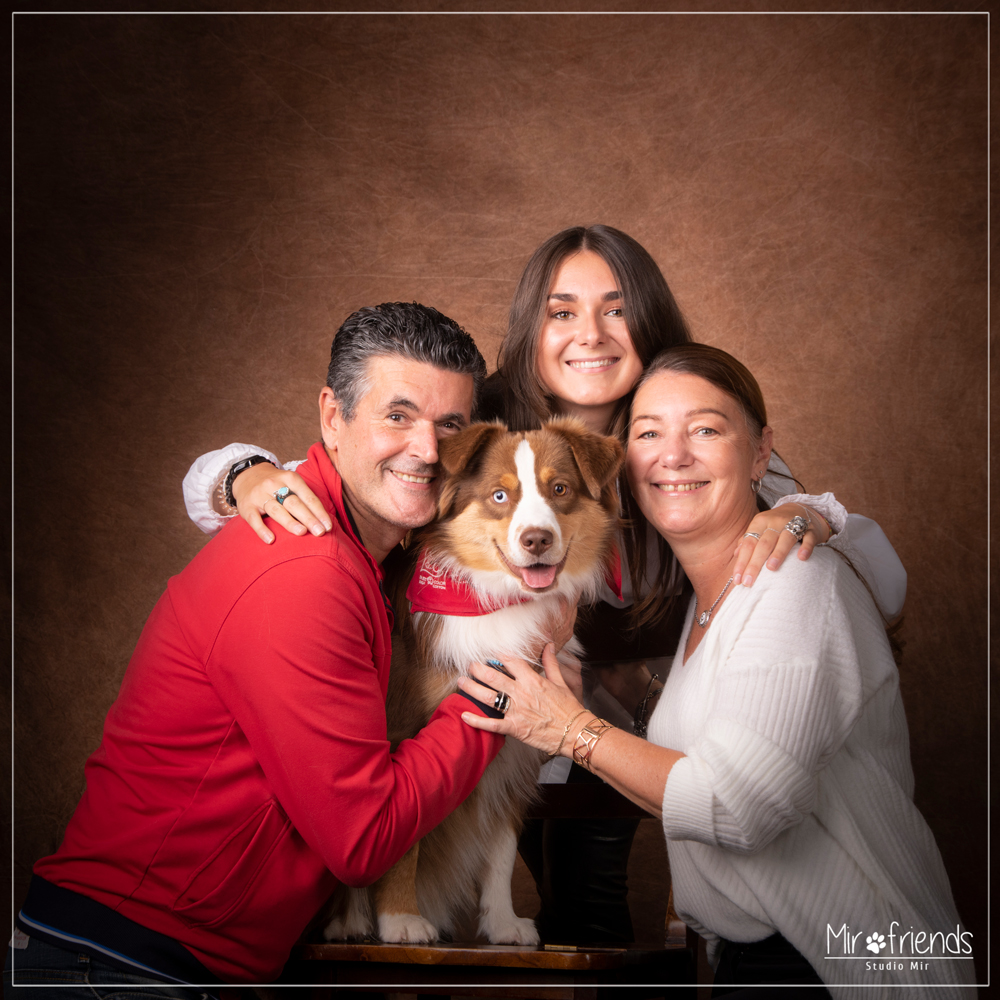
[
  {"x": 785, "y": 697},
  {"x": 859, "y": 538},
  {"x": 778, "y": 481},
  {"x": 205, "y": 475}
]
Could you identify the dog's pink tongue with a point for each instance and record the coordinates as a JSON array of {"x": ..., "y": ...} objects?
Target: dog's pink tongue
[{"x": 538, "y": 576}]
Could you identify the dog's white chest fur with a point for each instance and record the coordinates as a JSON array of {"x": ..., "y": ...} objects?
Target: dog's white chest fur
[{"x": 518, "y": 630}]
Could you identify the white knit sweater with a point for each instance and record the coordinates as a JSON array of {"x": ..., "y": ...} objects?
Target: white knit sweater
[{"x": 792, "y": 810}]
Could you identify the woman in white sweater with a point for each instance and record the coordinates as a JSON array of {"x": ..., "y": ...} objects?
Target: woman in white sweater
[{"x": 778, "y": 754}]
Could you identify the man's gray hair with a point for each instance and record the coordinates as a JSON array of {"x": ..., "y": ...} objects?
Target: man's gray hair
[{"x": 400, "y": 329}]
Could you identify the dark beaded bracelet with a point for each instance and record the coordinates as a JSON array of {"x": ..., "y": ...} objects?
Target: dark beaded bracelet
[{"x": 237, "y": 468}]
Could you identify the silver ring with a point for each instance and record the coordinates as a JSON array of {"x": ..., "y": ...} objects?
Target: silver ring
[
  {"x": 775, "y": 530},
  {"x": 501, "y": 702},
  {"x": 752, "y": 534},
  {"x": 797, "y": 526},
  {"x": 282, "y": 494}
]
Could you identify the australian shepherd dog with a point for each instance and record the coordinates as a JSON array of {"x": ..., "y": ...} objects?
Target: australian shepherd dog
[{"x": 523, "y": 519}]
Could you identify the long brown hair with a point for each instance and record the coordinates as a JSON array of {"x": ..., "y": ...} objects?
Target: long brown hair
[
  {"x": 652, "y": 316},
  {"x": 723, "y": 371}
]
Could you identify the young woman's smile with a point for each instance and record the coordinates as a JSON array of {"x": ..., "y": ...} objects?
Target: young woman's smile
[{"x": 586, "y": 359}]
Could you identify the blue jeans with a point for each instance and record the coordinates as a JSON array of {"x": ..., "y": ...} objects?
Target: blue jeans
[{"x": 44, "y": 972}]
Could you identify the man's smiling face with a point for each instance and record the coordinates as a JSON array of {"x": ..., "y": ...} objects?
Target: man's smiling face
[{"x": 387, "y": 455}]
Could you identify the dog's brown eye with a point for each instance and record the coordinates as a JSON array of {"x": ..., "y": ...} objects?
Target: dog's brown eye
[
  {"x": 559, "y": 490},
  {"x": 500, "y": 496}
]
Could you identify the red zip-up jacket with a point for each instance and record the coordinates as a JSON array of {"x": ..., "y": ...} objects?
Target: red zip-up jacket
[{"x": 244, "y": 768}]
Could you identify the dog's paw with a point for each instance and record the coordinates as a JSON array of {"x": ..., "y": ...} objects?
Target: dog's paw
[
  {"x": 513, "y": 930},
  {"x": 394, "y": 928},
  {"x": 352, "y": 923},
  {"x": 345, "y": 929}
]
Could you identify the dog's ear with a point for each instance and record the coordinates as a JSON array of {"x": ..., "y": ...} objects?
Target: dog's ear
[
  {"x": 598, "y": 457},
  {"x": 456, "y": 452}
]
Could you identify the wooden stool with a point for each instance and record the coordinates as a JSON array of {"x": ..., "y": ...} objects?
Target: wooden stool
[
  {"x": 483, "y": 970},
  {"x": 509, "y": 971}
]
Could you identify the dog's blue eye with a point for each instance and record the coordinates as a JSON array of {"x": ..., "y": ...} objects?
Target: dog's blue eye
[{"x": 500, "y": 496}]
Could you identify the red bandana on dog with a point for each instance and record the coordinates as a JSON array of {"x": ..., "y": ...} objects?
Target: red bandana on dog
[{"x": 434, "y": 590}]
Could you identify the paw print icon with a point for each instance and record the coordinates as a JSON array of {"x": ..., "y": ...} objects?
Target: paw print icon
[{"x": 875, "y": 942}]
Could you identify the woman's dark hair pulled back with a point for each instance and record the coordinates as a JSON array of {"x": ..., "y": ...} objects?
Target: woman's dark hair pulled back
[{"x": 718, "y": 368}]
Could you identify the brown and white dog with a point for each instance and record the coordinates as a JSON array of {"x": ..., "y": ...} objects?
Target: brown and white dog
[{"x": 523, "y": 518}]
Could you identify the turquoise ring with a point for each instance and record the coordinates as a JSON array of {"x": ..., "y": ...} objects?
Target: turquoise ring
[
  {"x": 497, "y": 665},
  {"x": 282, "y": 495}
]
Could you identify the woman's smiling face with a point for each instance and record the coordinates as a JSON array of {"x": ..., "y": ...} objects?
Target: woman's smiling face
[
  {"x": 585, "y": 355},
  {"x": 691, "y": 458}
]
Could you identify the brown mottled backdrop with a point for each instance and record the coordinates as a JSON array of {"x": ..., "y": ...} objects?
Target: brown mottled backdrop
[{"x": 200, "y": 201}]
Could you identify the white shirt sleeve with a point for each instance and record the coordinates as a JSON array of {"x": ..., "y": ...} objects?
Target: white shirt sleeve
[
  {"x": 205, "y": 475},
  {"x": 865, "y": 544},
  {"x": 859, "y": 538},
  {"x": 823, "y": 503},
  {"x": 774, "y": 489}
]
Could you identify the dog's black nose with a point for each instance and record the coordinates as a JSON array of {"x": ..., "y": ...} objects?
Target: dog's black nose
[{"x": 536, "y": 540}]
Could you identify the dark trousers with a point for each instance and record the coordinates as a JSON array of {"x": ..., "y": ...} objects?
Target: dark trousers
[
  {"x": 747, "y": 971},
  {"x": 580, "y": 867}
]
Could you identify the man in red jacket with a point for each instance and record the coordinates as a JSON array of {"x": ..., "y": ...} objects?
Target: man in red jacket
[{"x": 244, "y": 768}]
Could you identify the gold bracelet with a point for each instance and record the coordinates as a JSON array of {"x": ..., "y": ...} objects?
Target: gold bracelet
[
  {"x": 589, "y": 738},
  {"x": 566, "y": 732}
]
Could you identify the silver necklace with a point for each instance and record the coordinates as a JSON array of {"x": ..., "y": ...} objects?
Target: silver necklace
[{"x": 705, "y": 616}]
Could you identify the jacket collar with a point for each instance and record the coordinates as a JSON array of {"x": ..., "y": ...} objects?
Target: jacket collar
[{"x": 321, "y": 474}]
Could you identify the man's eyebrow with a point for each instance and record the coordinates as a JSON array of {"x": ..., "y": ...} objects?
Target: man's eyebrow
[{"x": 402, "y": 401}]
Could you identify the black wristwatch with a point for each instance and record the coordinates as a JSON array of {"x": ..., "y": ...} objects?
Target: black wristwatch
[{"x": 235, "y": 470}]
